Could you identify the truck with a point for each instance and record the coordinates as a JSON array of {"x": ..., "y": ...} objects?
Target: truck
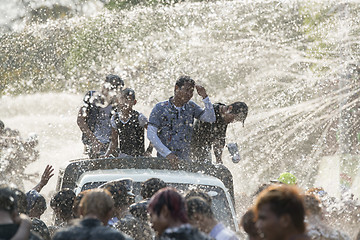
[{"x": 216, "y": 180}]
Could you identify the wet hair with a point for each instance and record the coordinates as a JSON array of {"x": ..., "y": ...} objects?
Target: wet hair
[
  {"x": 63, "y": 202},
  {"x": 241, "y": 111},
  {"x": 198, "y": 205},
  {"x": 98, "y": 202},
  {"x": 151, "y": 186},
  {"x": 239, "y": 107},
  {"x": 184, "y": 79},
  {"x": 173, "y": 200},
  {"x": 35, "y": 200},
  {"x": 284, "y": 199},
  {"x": 312, "y": 204},
  {"x": 248, "y": 223},
  {"x": 39, "y": 205},
  {"x": 139, "y": 210},
  {"x": 128, "y": 92},
  {"x": 20, "y": 199},
  {"x": 199, "y": 193},
  {"x": 115, "y": 81},
  {"x": 119, "y": 193},
  {"x": 7, "y": 199},
  {"x": 77, "y": 201}
]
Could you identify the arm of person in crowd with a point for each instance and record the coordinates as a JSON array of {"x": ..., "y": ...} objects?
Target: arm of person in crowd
[
  {"x": 209, "y": 114},
  {"x": 113, "y": 143},
  {"x": 47, "y": 174},
  {"x": 81, "y": 121},
  {"x": 23, "y": 231}
]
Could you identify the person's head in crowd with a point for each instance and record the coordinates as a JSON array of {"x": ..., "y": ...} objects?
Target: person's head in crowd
[
  {"x": 62, "y": 204},
  {"x": 184, "y": 89},
  {"x": 150, "y": 187},
  {"x": 139, "y": 210},
  {"x": 77, "y": 200},
  {"x": 200, "y": 214},
  {"x": 36, "y": 204},
  {"x": 147, "y": 190},
  {"x": 126, "y": 99},
  {"x": 280, "y": 212},
  {"x": 199, "y": 193},
  {"x": 312, "y": 205},
  {"x": 121, "y": 191},
  {"x": 8, "y": 204},
  {"x": 248, "y": 224},
  {"x": 21, "y": 200},
  {"x": 167, "y": 209},
  {"x": 236, "y": 111},
  {"x": 97, "y": 203},
  {"x": 112, "y": 86}
]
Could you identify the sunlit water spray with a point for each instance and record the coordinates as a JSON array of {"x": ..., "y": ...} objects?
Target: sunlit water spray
[{"x": 286, "y": 60}]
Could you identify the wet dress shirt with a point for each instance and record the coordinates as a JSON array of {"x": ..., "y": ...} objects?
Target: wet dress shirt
[{"x": 170, "y": 128}]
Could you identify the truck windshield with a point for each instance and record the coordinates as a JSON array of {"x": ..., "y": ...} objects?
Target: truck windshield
[{"x": 220, "y": 203}]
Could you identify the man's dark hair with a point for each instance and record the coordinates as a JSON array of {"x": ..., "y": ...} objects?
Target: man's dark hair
[
  {"x": 284, "y": 199},
  {"x": 114, "y": 80},
  {"x": 239, "y": 107},
  {"x": 7, "y": 199},
  {"x": 77, "y": 201},
  {"x": 151, "y": 186},
  {"x": 63, "y": 201},
  {"x": 198, "y": 205},
  {"x": 173, "y": 200},
  {"x": 20, "y": 200},
  {"x": 118, "y": 193},
  {"x": 199, "y": 193},
  {"x": 184, "y": 79},
  {"x": 41, "y": 204},
  {"x": 248, "y": 223},
  {"x": 128, "y": 92}
]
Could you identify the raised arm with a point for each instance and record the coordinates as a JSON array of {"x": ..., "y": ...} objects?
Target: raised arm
[
  {"x": 208, "y": 115},
  {"x": 47, "y": 174}
]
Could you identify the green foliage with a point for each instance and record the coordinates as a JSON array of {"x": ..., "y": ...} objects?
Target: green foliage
[{"x": 126, "y": 4}]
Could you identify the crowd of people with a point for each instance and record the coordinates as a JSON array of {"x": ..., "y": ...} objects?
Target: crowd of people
[
  {"x": 180, "y": 131},
  {"x": 280, "y": 211}
]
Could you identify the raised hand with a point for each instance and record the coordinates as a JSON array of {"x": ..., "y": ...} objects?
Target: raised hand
[{"x": 201, "y": 91}]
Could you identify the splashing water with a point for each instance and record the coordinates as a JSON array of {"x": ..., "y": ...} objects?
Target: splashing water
[{"x": 295, "y": 63}]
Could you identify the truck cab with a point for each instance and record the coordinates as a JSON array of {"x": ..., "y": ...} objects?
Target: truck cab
[{"x": 216, "y": 180}]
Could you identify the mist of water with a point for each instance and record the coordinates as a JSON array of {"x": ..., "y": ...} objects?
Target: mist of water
[{"x": 294, "y": 63}]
